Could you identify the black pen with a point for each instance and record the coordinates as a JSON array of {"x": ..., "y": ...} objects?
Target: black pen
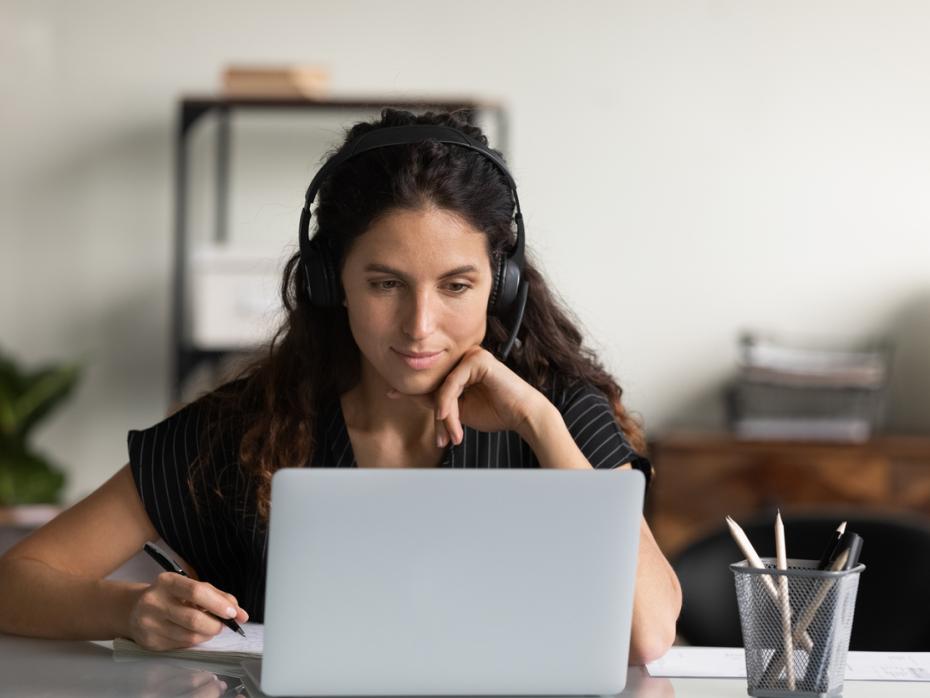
[
  {"x": 170, "y": 565},
  {"x": 844, "y": 557},
  {"x": 851, "y": 544},
  {"x": 830, "y": 553}
]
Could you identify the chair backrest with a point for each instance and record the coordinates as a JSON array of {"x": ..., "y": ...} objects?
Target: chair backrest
[{"x": 892, "y": 609}]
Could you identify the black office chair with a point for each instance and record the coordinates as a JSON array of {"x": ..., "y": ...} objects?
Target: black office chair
[{"x": 893, "y": 602}]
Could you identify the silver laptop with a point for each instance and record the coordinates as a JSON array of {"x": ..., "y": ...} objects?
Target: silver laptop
[{"x": 449, "y": 582}]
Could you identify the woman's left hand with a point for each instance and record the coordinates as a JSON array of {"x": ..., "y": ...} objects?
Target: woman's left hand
[{"x": 483, "y": 393}]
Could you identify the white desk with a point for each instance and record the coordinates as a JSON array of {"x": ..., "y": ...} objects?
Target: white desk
[{"x": 30, "y": 668}]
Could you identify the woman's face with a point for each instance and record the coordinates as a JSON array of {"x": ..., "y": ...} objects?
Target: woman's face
[{"x": 417, "y": 284}]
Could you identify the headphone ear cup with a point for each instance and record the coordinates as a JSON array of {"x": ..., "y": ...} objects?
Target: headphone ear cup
[
  {"x": 508, "y": 288},
  {"x": 305, "y": 270},
  {"x": 497, "y": 283},
  {"x": 321, "y": 282}
]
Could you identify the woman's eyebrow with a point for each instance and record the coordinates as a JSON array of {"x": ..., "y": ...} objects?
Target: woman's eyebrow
[{"x": 465, "y": 269}]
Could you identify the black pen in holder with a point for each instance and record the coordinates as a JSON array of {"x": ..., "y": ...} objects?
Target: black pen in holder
[
  {"x": 822, "y": 603},
  {"x": 845, "y": 557}
]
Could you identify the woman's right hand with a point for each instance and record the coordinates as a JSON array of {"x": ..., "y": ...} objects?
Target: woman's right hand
[{"x": 172, "y": 612}]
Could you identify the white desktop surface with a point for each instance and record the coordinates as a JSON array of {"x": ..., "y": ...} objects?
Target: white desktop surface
[{"x": 31, "y": 668}]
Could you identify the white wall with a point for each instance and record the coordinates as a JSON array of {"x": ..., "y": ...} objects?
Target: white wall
[{"x": 687, "y": 169}]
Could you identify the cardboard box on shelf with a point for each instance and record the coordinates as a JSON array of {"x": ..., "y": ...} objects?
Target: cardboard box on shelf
[{"x": 281, "y": 81}]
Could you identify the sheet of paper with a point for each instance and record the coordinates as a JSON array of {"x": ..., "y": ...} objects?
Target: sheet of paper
[
  {"x": 888, "y": 666},
  {"x": 229, "y": 641},
  {"x": 702, "y": 662},
  {"x": 730, "y": 662},
  {"x": 227, "y": 646}
]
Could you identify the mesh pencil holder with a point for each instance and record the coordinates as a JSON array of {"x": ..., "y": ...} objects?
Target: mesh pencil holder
[{"x": 802, "y": 615}]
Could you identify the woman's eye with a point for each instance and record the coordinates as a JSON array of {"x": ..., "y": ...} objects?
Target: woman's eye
[
  {"x": 385, "y": 285},
  {"x": 458, "y": 287}
]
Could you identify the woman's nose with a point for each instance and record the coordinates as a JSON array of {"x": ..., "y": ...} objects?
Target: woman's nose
[{"x": 419, "y": 316}]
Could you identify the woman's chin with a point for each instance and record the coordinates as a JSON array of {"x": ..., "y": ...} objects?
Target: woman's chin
[{"x": 422, "y": 383}]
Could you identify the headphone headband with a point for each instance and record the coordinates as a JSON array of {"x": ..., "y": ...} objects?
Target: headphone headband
[{"x": 403, "y": 135}]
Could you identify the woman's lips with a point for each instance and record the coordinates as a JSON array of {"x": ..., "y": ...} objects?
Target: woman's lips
[{"x": 420, "y": 360}]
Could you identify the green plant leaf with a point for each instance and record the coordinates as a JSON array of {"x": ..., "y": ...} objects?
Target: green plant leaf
[
  {"x": 43, "y": 391},
  {"x": 26, "y": 398},
  {"x": 11, "y": 385},
  {"x": 27, "y": 478},
  {"x": 10, "y": 376}
]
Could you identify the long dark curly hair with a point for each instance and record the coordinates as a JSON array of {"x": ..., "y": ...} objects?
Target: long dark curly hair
[{"x": 313, "y": 357}]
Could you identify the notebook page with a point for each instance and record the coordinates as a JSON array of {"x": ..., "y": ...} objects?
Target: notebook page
[
  {"x": 227, "y": 646},
  {"x": 231, "y": 642}
]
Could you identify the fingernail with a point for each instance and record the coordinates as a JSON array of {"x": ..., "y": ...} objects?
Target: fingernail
[
  {"x": 439, "y": 440},
  {"x": 245, "y": 613},
  {"x": 230, "y": 612}
]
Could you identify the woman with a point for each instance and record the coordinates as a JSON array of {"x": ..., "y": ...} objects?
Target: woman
[{"x": 403, "y": 346}]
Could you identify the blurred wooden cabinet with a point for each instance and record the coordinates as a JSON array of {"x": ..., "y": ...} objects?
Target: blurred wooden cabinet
[{"x": 702, "y": 477}]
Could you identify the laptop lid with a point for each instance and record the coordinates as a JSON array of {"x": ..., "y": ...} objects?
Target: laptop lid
[{"x": 450, "y": 582}]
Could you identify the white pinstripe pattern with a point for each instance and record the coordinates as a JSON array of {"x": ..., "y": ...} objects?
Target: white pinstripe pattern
[
  {"x": 164, "y": 472},
  {"x": 574, "y": 422},
  {"x": 627, "y": 452},
  {"x": 188, "y": 439},
  {"x": 583, "y": 447},
  {"x": 224, "y": 520},
  {"x": 236, "y": 519},
  {"x": 178, "y": 488}
]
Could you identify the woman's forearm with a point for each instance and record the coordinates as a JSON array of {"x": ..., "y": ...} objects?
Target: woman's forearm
[
  {"x": 656, "y": 601},
  {"x": 40, "y": 601},
  {"x": 657, "y": 596}
]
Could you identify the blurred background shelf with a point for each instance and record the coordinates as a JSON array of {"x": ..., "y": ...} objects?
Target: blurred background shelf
[
  {"x": 224, "y": 295},
  {"x": 701, "y": 476}
]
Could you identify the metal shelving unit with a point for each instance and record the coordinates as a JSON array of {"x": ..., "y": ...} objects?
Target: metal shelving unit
[{"x": 185, "y": 354}]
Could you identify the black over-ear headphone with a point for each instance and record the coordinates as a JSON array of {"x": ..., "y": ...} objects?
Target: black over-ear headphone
[{"x": 509, "y": 290}]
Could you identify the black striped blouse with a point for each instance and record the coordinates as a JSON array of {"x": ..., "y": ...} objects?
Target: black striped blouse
[{"x": 225, "y": 541}]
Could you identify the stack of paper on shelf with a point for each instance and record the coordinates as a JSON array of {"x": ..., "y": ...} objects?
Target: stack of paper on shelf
[{"x": 787, "y": 392}]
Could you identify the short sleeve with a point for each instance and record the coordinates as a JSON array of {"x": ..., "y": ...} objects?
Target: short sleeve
[
  {"x": 593, "y": 425},
  {"x": 160, "y": 458}
]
